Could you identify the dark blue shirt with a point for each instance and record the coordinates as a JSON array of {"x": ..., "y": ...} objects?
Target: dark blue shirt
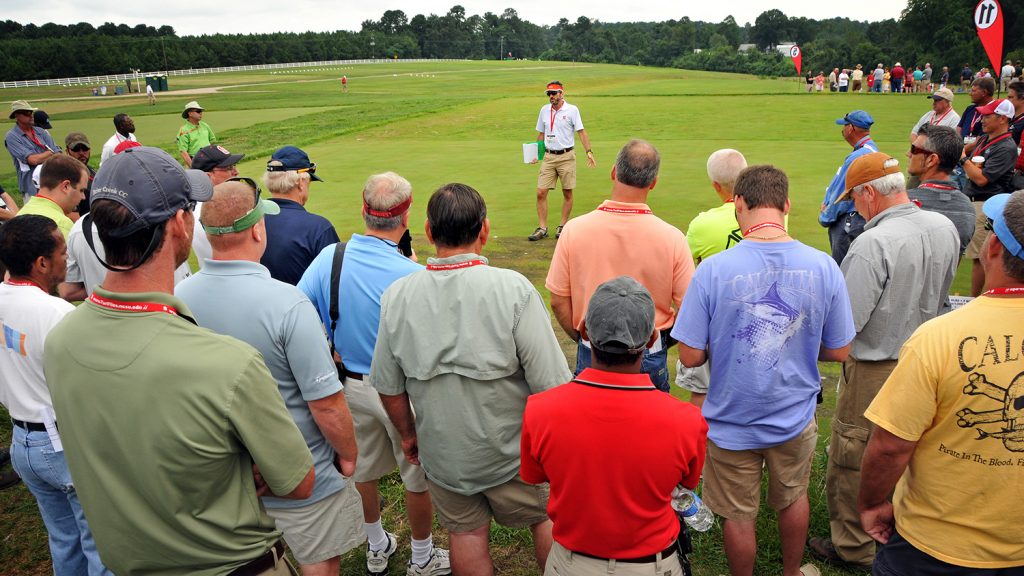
[{"x": 294, "y": 238}]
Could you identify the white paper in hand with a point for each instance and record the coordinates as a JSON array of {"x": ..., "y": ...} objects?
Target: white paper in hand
[{"x": 530, "y": 154}]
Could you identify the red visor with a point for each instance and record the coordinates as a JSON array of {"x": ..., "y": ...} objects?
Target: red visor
[
  {"x": 390, "y": 212},
  {"x": 554, "y": 87}
]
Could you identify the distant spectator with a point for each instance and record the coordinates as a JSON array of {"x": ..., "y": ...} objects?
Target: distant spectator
[
  {"x": 194, "y": 133},
  {"x": 150, "y": 95},
  {"x": 944, "y": 78},
  {"x": 28, "y": 145},
  {"x": 897, "y": 75},
  {"x": 819, "y": 81},
  {"x": 124, "y": 131},
  {"x": 878, "y": 74},
  {"x": 1006, "y": 75},
  {"x": 654, "y": 443},
  {"x": 982, "y": 90},
  {"x": 857, "y": 79},
  {"x": 926, "y": 78},
  {"x": 296, "y": 236},
  {"x": 941, "y": 114},
  {"x": 833, "y": 80},
  {"x": 966, "y": 76},
  {"x": 918, "y": 77},
  {"x": 844, "y": 81},
  {"x": 76, "y": 145}
]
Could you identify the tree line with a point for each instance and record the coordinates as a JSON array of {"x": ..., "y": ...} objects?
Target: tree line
[{"x": 936, "y": 31}]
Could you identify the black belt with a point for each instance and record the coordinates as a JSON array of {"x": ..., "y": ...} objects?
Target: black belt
[
  {"x": 666, "y": 553},
  {"x": 558, "y": 152},
  {"x": 30, "y": 426},
  {"x": 353, "y": 375},
  {"x": 265, "y": 562}
]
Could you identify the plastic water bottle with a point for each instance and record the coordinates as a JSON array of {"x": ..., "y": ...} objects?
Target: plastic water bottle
[{"x": 693, "y": 510}]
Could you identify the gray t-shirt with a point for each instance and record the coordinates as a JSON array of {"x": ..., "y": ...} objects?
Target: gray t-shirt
[
  {"x": 998, "y": 168},
  {"x": 468, "y": 344},
  {"x": 898, "y": 273},
  {"x": 944, "y": 197},
  {"x": 926, "y": 74}
]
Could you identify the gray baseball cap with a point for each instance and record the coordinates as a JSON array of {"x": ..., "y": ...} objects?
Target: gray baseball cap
[
  {"x": 620, "y": 316},
  {"x": 149, "y": 183}
]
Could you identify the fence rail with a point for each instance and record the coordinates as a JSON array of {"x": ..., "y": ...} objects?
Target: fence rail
[{"x": 118, "y": 78}]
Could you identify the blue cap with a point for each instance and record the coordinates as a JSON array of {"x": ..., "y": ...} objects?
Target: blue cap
[
  {"x": 858, "y": 118},
  {"x": 994, "y": 208},
  {"x": 292, "y": 158}
]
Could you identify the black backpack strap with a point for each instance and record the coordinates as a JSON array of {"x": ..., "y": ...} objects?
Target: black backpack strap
[{"x": 339, "y": 258}]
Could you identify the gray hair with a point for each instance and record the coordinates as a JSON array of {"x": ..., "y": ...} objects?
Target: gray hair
[
  {"x": 886, "y": 185},
  {"x": 1013, "y": 214},
  {"x": 945, "y": 142},
  {"x": 724, "y": 167},
  {"x": 381, "y": 192},
  {"x": 283, "y": 182},
  {"x": 637, "y": 164}
]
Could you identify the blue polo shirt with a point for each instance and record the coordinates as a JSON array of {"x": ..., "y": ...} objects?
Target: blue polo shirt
[
  {"x": 837, "y": 186},
  {"x": 371, "y": 265},
  {"x": 294, "y": 238},
  {"x": 239, "y": 298}
]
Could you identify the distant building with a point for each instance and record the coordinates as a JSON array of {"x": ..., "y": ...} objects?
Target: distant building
[{"x": 746, "y": 47}]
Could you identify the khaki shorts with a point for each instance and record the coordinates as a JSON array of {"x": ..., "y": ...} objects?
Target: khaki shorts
[
  {"x": 325, "y": 529},
  {"x": 379, "y": 443},
  {"x": 732, "y": 478},
  {"x": 515, "y": 504},
  {"x": 973, "y": 251},
  {"x": 562, "y": 562},
  {"x": 558, "y": 167},
  {"x": 695, "y": 380}
]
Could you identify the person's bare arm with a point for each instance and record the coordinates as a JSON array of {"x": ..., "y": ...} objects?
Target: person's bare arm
[
  {"x": 834, "y": 354},
  {"x": 334, "y": 419},
  {"x": 72, "y": 291},
  {"x": 400, "y": 413},
  {"x": 186, "y": 159},
  {"x": 11, "y": 210},
  {"x": 692, "y": 357},
  {"x": 885, "y": 459},
  {"x": 586, "y": 146},
  {"x": 975, "y": 173},
  {"x": 301, "y": 492},
  {"x": 561, "y": 306},
  {"x": 37, "y": 159}
]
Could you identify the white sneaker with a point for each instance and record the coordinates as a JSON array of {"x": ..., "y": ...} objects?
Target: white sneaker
[
  {"x": 438, "y": 565},
  {"x": 377, "y": 562}
]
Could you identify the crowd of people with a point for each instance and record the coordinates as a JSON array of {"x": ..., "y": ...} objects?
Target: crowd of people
[
  {"x": 201, "y": 422},
  {"x": 908, "y": 80}
]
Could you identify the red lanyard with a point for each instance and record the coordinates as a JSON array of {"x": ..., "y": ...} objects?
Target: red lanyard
[
  {"x": 455, "y": 266},
  {"x": 29, "y": 283},
  {"x": 624, "y": 210},
  {"x": 762, "y": 226},
  {"x": 553, "y": 114},
  {"x": 51, "y": 200},
  {"x": 944, "y": 114},
  {"x": 1004, "y": 291},
  {"x": 937, "y": 186},
  {"x": 32, "y": 136},
  {"x": 989, "y": 143},
  {"x": 132, "y": 306}
]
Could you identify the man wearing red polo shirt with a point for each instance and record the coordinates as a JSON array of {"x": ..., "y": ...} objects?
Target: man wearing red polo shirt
[{"x": 613, "y": 448}]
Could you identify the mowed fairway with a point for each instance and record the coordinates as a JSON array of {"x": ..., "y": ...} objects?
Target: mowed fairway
[{"x": 442, "y": 122}]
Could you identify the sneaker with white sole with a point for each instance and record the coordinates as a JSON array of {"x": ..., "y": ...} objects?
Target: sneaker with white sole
[
  {"x": 377, "y": 562},
  {"x": 438, "y": 565}
]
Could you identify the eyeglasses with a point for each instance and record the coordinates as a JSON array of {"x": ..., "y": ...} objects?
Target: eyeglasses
[
  {"x": 914, "y": 151},
  {"x": 553, "y": 92},
  {"x": 988, "y": 224},
  {"x": 190, "y": 206}
]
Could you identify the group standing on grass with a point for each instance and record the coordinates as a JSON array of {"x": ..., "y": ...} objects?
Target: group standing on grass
[
  {"x": 917, "y": 79},
  {"x": 203, "y": 424}
]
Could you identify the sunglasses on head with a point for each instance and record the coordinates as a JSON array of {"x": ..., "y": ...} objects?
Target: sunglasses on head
[
  {"x": 914, "y": 151},
  {"x": 250, "y": 182}
]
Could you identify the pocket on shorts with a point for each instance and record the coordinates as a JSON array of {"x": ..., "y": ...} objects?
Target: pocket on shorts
[{"x": 850, "y": 443}]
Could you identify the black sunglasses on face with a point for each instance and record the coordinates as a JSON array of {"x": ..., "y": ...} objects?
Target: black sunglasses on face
[
  {"x": 553, "y": 92},
  {"x": 914, "y": 151}
]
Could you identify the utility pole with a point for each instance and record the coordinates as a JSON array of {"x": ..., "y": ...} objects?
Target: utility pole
[
  {"x": 372, "y": 44},
  {"x": 501, "y": 49}
]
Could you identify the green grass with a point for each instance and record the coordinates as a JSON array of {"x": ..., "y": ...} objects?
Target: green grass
[{"x": 441, "y": 122}]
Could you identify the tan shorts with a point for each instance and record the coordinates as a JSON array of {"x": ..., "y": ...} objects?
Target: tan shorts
[
  {"x": 695, "y": 380},
  {"x": 973, "y": 251},
  {"x": 515, "y": 504},
  {"x": 562, "y": 562},
  {"x": 732, "y": 478},
  {"x": 379, "y": 443},
  {"x": 558, "y": 167},
  {"x": 325, "y": 529}
]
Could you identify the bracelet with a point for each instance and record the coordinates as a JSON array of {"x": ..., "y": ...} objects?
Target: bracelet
[{"x": 590, "y": 151}]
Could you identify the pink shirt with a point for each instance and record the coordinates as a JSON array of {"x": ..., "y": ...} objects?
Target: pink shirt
[{"x": 621, "y": 239}]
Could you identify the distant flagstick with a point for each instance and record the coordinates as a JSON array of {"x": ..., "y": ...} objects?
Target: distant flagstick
[{"x": 988, "y": 19}]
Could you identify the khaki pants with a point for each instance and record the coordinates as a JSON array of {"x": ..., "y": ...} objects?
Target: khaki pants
[
  {"x": 562, "y": 562},
  {"x": 860, "y": 383}
]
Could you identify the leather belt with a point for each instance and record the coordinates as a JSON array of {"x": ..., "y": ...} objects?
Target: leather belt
[
  {"x": 558, "y": 152},
  {"x": 267, "y": 561},
  {"x": 666, "y": 553},
  {"x": 353, "y": 375},
  {"x": 30, "y": 426}
]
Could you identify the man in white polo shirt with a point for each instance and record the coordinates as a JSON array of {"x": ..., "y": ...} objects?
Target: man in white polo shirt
[{"x": 557, "y": 126}]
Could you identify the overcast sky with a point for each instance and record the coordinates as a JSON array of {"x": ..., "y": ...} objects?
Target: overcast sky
[{"x": 191, "y": 17}]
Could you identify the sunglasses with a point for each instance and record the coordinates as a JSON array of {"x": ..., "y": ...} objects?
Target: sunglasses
[
  {"x": 552, "y": 92},
  {"x": 250, "y": 182},
  {"x": 80, "y": 148},
  {"x": 914, "y": 151},
  {"x": 246, "y": 221},
  {"x": 988, "y": 224}
]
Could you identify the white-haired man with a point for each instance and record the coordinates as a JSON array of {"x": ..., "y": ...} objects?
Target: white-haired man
[{"x": 918, "y": 251}]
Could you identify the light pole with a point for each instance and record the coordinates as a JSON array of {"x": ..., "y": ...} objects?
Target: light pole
[
  {"x": 372, "y": 44},
  {"x": 501, "y": 49}
]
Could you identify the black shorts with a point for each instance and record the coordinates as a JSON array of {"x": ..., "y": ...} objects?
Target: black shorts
[{"x": 900, "y": 558}]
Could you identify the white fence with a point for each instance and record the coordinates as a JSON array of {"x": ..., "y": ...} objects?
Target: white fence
[{"x": 118, "y": 78}]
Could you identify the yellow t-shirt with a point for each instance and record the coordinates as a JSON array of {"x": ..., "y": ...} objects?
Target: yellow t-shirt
[
  {"x": 958, "y": 391},
  {"x": 712, "y": 231},
  {"x": 43, "y": 206}
]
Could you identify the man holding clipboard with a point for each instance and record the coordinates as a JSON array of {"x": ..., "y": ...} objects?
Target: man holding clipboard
[{"x": 556, "y": 127}]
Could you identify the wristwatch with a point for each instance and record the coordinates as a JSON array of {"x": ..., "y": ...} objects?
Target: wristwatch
[{"x": 963, "y": 160}]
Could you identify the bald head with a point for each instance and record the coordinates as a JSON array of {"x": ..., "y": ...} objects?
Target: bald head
[{"x": 231, "y": 201}]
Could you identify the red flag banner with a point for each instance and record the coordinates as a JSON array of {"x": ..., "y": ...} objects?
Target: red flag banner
[
  {"x": 798, "y": 57},
  {"x": 988, "y": 18}
]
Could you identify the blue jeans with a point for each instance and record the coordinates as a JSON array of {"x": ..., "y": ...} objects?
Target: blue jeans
[
  {"x": 654, "y": 365},
  {"x": 46, "y": 475}
]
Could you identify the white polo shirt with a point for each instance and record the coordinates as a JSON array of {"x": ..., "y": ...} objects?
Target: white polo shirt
[
  {"x": 559, "y": 128},
  {"x": 27, "y": 314}
]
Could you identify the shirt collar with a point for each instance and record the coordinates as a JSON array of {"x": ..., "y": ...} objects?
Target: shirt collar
[
  {"x": 624, "y": 205},
  {"x": 287, "y": 204},
  {"x": 639, "y": 380},
  {"x": 234, "y": 268},
  {"x": 155, "y": 297},
  {"x": 896, "y": 211},
  {"x": 456, "y": 259}
]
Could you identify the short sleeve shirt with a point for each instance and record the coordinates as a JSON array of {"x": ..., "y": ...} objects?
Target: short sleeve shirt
[
  {"x": 949, "y": 118},
  {"x": 712, "y": 231},
  {"x": 43, "y": 206},
  {"x": 559, "y": 126},
  {"x": 294, "y": 238},
  {"x": 192, "y": 137},
  {"x": 1000, "y": 158}
]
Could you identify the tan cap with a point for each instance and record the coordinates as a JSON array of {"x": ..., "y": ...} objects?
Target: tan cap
[
  {"x": 867, "y": 168},
  {"x": 942, "y": 94}
]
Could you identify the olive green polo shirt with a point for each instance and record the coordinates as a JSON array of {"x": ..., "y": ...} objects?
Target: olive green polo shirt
[{"x": 161, "y": 422}]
